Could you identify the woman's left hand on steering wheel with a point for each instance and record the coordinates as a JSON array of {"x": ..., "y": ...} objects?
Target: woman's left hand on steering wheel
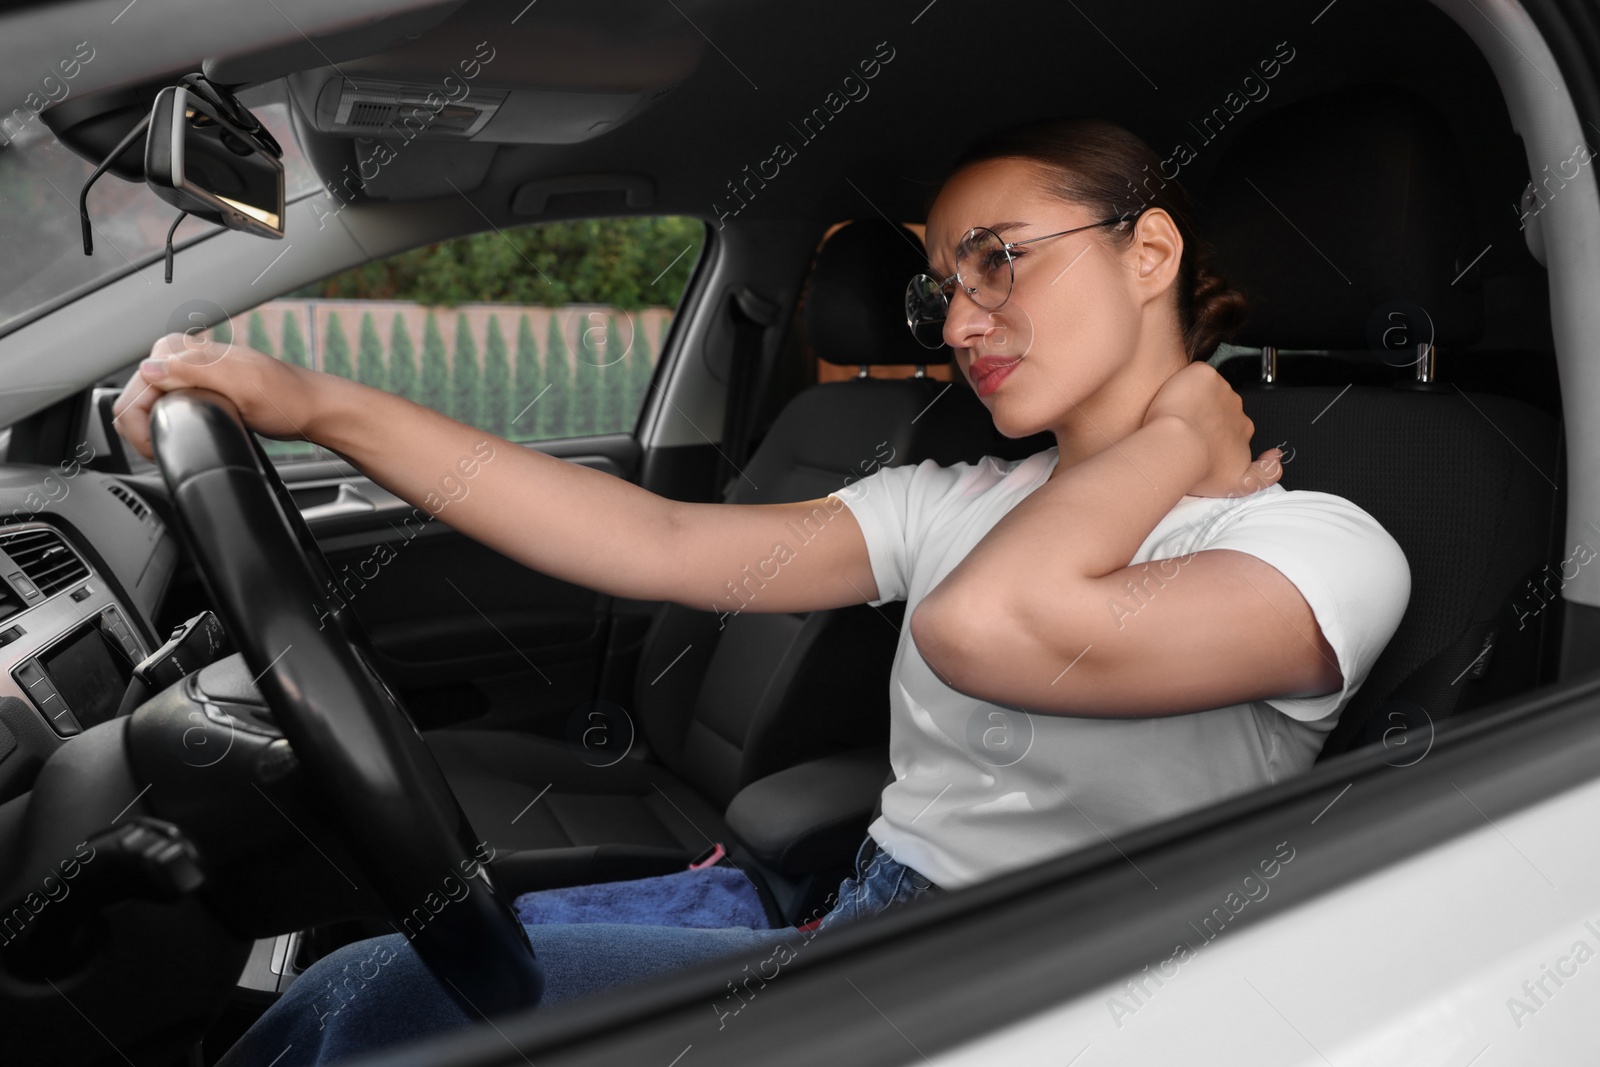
[{"x": 274, "y": 398}]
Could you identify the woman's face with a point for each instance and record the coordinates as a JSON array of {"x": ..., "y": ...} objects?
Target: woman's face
[{"x": 1077, "y": 313}]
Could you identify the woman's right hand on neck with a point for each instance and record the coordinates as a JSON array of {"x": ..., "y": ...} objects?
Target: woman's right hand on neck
[
  {"x": 275, "y": 399},
  {"x": 1214, "y": 412}
]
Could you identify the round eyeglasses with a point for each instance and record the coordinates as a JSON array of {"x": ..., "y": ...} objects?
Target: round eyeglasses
[{"x": 985, "y": 268}]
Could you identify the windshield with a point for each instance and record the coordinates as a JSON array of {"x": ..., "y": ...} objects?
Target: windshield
[{"x": 41, "y": 242}]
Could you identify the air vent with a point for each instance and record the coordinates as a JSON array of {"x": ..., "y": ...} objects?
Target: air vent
[
  {"x": 43, "y": 557},
  {"x": 124, "y": 494},
  {"x": 367, "y": 113}
]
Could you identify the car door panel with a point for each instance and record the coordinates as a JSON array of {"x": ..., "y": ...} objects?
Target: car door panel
[{"x": 462, "y": 631}]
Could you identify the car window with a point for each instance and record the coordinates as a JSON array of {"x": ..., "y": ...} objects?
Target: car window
[
  {"x": 533, "y": 333},
  {"x": 40, "y": 178}
]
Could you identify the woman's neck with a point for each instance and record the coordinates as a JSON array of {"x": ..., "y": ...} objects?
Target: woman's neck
[{"x": 1112, "y": 413}]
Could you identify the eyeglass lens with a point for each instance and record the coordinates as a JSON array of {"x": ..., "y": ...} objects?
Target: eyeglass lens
[{"x": 983, "y": 269}]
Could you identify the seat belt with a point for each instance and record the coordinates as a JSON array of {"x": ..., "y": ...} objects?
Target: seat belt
[{"x": 751, "y": 315}]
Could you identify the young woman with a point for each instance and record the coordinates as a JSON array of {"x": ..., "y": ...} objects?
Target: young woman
[{"x": 1132, "y": 623}]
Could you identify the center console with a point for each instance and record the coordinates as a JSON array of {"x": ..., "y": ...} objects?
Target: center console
[{"x": 66, "y": 643}]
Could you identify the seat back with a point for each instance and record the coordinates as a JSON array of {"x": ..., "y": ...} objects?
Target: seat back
[
  {"x": 725, "y": 700},
  {"x": 1345, "y": 221},
  {"x": 1459, "y": 480}
]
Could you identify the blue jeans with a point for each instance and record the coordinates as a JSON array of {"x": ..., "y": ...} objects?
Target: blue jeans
[{"x": 375, "y": 993}]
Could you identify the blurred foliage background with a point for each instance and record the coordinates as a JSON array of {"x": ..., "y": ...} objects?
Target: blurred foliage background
[{"x": 627, "y": 263}]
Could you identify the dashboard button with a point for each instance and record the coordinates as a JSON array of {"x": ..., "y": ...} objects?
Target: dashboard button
[
  {"x": 83, "y": 592},
  {"x": 55, "y": 709},
  {"x": 44, "y": 696},
  {"x": 66, "y": 724}
]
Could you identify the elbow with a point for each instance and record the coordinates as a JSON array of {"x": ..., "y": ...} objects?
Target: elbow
[
  {"x": 952, "y": 636},
  {"x": 930, "y": 634},
  {"x": 927, "y": 633},
  {"x": 994, "y": 649}
]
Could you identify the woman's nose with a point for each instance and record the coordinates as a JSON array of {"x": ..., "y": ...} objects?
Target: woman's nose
[
  {"x": 964, "y": 320},
  {"x": 1007, "y": 332}
]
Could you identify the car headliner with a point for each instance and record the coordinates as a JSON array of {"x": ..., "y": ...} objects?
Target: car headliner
[{"x": 749, "y": 77}]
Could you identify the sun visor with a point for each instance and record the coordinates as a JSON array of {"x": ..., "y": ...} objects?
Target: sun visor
[
  {"x": 402, "y": 110},
  {"x": 368, "y": 36}
]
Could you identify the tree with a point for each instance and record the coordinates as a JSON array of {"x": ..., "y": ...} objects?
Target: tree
[
  {"x": 402, "y": 360},
  {"x": 464, "y": 378},
  {"x": 294, "y": 342},
  {"x": 294, "y": 354},
  {"x": 614, "y": 382},
  {"x": 496, "y": 413},
  {"x": 556, "y": 406},
  {"x": 629, "y": 263},
  {"x": 528, "y": 384},
  {"x": 336, "y": 353},
  {"x": 370, "y": 368},
  {"x": 661, "y": 338},
  {"x": 435, "y": 368},
  {"x": 586, "y": 380},
  {"x": 640, "y": 368},
  {"x": 257, "y": 334}
]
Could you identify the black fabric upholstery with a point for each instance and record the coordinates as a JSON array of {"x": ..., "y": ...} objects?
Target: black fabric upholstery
[
  {"x": 498, "y": 774},
  {"x": 1324, "y": 212},
  {"x": 855, "y": 309},
  {"x": 630, "y": 802},
  {"x": 832, "y": 433},
  {"x": 1463, "y": 482},
  {"x": 1327, "y": 210},
  {"x": 727, "y": 700}
]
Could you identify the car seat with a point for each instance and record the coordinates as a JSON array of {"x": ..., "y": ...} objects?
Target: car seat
[{"x": 1346, "y": 219}]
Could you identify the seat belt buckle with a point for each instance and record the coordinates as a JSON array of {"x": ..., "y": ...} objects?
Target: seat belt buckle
[{"x": 709, "y": 858}]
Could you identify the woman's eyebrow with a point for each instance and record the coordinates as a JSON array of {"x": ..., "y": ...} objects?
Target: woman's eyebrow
[{"x": 999, "y": 227}]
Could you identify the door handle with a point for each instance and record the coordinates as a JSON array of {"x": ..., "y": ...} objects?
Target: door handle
[{"x": 348, "y": 502}]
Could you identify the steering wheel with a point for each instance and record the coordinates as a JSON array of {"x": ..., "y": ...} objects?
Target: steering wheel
[{"x": 350, "y": 733}]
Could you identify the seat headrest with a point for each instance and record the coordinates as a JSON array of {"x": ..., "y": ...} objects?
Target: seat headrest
[
  {"x": 855, "y": 309},
  {"x": 1328, "y": 211}
]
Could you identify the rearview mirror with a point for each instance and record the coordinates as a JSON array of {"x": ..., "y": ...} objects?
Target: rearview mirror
[{"x": 215, "y": 161}]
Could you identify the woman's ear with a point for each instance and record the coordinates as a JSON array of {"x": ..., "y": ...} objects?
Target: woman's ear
[{"x": 1158, "y": 250}]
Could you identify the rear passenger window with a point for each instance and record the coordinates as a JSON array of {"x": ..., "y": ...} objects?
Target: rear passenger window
[{"x": 533, "y": 333}]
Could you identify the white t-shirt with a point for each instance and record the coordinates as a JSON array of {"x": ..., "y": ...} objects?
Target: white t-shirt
[{"x": 982, "y": 788}]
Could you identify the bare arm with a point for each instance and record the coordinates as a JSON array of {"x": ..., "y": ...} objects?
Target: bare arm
[
  {"x": 563, "y": 519},
  {"x": 1048, "y": 636}
]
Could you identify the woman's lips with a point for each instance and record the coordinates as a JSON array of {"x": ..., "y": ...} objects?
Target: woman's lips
[{"x": 989, "y": 372}]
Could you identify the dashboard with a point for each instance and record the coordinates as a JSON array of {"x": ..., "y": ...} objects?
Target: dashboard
[{"x": 84, "y": 563}]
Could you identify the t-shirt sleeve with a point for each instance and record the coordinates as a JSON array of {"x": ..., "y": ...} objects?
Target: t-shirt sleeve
[
  {"x": 1350, "y": 570},
  {"x": 882, "y": 505}
]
